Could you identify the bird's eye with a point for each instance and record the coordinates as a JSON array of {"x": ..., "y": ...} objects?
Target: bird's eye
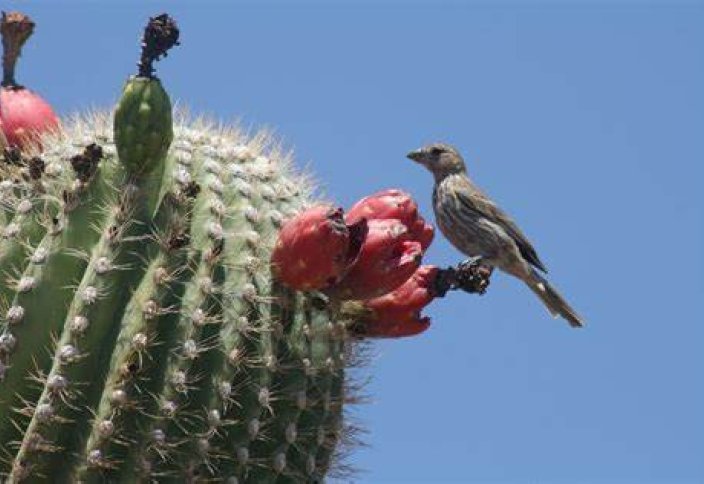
[{"x": 435, "y": 151}]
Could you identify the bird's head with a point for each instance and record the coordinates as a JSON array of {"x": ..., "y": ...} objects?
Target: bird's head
[{"x": 440, "y": 158}]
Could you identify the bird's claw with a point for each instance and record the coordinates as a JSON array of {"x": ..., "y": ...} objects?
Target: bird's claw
[
  {"x": 472, "y": 261},
  {"x": 471, "y": 276}
]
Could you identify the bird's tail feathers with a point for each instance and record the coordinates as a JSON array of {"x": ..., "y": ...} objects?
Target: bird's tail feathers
[{"x": 552, "y": 300}]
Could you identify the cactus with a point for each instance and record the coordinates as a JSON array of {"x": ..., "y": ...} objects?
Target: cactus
[{"x": 143, "y": 336}]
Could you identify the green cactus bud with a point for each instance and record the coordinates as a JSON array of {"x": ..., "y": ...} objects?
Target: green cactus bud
[{"x": 143, "y": 125}]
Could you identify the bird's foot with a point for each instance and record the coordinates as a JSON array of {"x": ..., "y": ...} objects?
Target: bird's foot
[
  {"x": 471, "y": 276},
  {"x": 471, "y": 261}
]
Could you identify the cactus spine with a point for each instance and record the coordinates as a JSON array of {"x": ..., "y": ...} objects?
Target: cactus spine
[{"x": 142, "y": 335}]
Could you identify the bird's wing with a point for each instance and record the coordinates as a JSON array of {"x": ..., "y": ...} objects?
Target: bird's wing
[{"x": 474, "y": 199}]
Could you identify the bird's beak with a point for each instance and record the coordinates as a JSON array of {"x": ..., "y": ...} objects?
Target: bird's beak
[{"x": 416, "y": 155}]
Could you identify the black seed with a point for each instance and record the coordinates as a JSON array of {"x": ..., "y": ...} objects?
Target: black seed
[
  {"x": 178, "y": 241},
  {"x": 12, "y": 156},
  {"x": 191, "y": 189},
  {"x": 86, "y": 164},
  {"x": 36, "y": 167}
]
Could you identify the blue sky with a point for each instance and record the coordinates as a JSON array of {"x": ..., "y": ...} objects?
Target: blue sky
[{"x": 584, "y": 120}]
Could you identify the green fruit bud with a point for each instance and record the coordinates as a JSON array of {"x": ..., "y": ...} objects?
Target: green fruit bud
[{"x": 143, "y": 125}]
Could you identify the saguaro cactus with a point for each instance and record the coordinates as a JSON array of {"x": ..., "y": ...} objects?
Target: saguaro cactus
[
  {"x": 143, "y": 337},
  {"x": 159, "y": 324}
]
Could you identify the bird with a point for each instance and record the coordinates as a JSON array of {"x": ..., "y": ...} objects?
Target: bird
[{"x": 480, "y": 229}]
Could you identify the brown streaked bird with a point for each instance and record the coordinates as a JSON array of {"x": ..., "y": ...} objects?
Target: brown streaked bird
[{"x": 476, "y": 226}]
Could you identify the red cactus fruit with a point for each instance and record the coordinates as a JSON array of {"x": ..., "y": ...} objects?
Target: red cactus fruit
[
  {"x": 315, "y": 248},
  {"x": 399, "y": 329},
  {"x": 399, "y": 313},
  {"x": 423, "y": 232},
  {"x": 389, "y": 256},
  {"x": 24, "y": 115},
  {"x": 393, "y": 204},
  {"x": 384, "y": 205}
]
